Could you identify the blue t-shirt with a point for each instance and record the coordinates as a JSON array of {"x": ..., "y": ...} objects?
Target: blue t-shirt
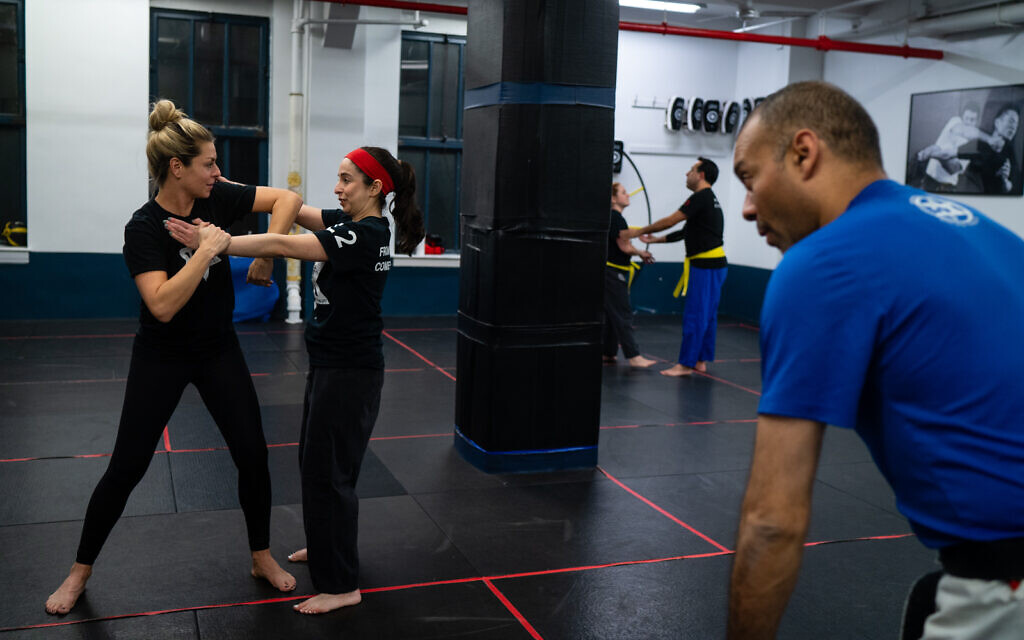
[{"x": 904, "y": 319}]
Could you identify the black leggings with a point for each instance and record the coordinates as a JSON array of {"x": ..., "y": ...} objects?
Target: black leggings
[
  {"x": 340, "y": 410},
  {"x": 152, "y": 392}
]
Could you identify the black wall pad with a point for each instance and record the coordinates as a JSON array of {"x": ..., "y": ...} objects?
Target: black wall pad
[
  {"x": 732, "y": 113},
  {"x": 560, "y": 42},
  {"x": 530, "y": 166},
  {"x": 524, "y": 279},
  {"x": 675, "y": 114},
  {"x": 534, "y": 223},
  {"x": 712, "y": 116}
]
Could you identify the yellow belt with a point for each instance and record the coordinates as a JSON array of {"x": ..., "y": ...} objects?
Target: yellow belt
[
  {"x": 684, "y": 281},
  {"x": 631, "y": 270}
]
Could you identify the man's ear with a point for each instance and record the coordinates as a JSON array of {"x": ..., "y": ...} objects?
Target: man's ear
[{"x": 805, "y": 152}]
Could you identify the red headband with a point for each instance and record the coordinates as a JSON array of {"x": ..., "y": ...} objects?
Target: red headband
[{"x": 369, "y": 165}]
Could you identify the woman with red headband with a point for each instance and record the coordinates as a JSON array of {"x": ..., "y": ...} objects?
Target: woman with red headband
[{"x": 351, "y": 247}]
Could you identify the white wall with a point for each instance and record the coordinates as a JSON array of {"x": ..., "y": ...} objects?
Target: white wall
[
  {"x": 763, "y": 69},
  {"x": 87, "y": 86},
  {"x": 651, "y": 70},
  {"x": 86, "y": 92}
]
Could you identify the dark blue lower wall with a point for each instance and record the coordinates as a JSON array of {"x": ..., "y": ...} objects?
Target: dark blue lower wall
[
  {"x": 742, "y": 293},
  {"x": 97, "y": 285},
  {"x": 68, "y": 285}
]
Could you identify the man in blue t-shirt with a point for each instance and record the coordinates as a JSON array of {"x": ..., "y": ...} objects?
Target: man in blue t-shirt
[{"x": 896, "y": 313}]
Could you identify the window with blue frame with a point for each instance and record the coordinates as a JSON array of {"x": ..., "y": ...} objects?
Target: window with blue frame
[
  {"x": 13, "y": 228},
  {"x": 215, "y": 68},
  {"x": 430, "y": 127}
]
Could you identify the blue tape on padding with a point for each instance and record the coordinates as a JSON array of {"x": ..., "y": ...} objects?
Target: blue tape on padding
[
  {"x": 539, "y": 93},
  {"x": 523, "y": 461},
  {"x": 525, "y": 452}
]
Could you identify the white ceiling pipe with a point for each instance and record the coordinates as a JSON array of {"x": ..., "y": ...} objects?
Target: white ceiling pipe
[
  {"x": 999, "y": 16},
  {"x": 990, "y": 17}
]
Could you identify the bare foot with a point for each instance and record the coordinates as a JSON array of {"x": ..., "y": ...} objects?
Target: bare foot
[
  {"x": 264, "y": 566},
  {"x": 639, "y": 362},
  {"x": 299, "y": 556},
  {"x": 677, "y": 371},
  {"x": 64, "y": 598},
  {"x": 701, "y": 366},
  {"x": 324, "y": 602}
]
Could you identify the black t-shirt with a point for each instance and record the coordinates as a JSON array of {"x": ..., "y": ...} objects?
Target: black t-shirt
[
  {"x": 615, "y": 254},
  {"x": 704, "y": 223},
  {"x": 985, "y": 163},
  {"x": 205, "y": 320},
  {"x": 346, "y": 327}
]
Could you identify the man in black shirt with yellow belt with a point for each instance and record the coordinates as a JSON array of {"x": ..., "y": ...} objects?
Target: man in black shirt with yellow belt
[{"x": 704, "y": 269}]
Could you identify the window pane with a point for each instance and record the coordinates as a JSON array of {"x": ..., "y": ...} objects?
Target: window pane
[
  {"x": 208, "y": 90},
  {"x": 444, "y": 90},
  {"x": 9, "y": 94},
  {"x": 240, "y": 156},
  {"x": 243, "y": 79},
  {"x": 12, "y": 194},
  {"x": 412, "y": 102},
  {"x": 174, "y": 40},
  {"x": 417, "y": 158},
  {"x": 443, "y": 216}
]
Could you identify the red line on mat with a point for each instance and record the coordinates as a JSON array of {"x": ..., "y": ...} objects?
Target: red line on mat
[
  {"x": 167, "y": 447},
  {"x": 437, "y": 583},
  {"x": 731, "y": 384},
  {"x": 512, "y": 609},
  {"x": 415, "y": 353},
  {"x": 662, "y": 511},
  {"x": 892, "y": 537},
  {"x": 623, "y": 563},
  {"x": 71, "y": 337}
]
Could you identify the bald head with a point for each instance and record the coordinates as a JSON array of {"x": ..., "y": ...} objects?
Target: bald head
[{"x": 836, "y": 118}]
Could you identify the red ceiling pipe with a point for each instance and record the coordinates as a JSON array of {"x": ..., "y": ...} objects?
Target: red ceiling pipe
[{"x": 822, "y": 43}]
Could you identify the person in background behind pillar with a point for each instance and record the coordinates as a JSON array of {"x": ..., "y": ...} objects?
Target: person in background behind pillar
[
  {"x": 352, "y": 250},
  {"x": 912, "y": 336},
  {"x": 618, "y": 276},
  {"x": 703, "y": 270},
  {"x": 186, "y": 336}
]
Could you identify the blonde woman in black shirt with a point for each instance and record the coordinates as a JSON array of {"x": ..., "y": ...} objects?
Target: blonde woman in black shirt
[{"x": 186, "y": 336}]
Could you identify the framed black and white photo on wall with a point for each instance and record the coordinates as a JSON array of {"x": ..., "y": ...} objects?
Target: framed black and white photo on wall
[{"x": 967, "y": 141}]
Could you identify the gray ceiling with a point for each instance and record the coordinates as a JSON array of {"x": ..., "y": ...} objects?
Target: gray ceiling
[{"x": 852, "y": 18}]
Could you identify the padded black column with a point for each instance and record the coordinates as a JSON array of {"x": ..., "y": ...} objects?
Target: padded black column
[{"x": 537, "y": 172}]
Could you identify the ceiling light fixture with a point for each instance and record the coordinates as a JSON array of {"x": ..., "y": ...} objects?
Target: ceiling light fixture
[{"x": 659, "y": 5}]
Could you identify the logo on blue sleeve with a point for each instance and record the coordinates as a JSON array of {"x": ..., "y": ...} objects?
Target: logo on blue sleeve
[{"x": 945, "y": 210}]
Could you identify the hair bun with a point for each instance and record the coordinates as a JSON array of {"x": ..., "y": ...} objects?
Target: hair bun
[{"x": 164, "y": 112}]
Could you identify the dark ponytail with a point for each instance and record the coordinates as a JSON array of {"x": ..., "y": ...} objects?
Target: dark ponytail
[{"x": 407, "y": 215}]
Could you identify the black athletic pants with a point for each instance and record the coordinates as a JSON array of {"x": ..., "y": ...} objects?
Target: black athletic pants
[
  {"x": 618, "y": 314},
  {"x": 152, "y": 392},
  {"x": 338, "y": 415}
]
